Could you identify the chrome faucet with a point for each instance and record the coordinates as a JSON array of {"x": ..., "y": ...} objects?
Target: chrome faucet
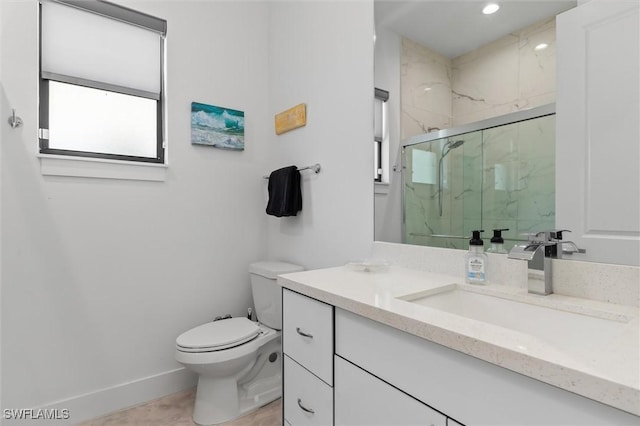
[
  {"x": 538, "y": 252},
  {"x": 557, "y": 237}
]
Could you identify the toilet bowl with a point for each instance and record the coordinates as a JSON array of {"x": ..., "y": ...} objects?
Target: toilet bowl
[
  {"x": 234, "y": 377},
  {"x": 238, "y": 361}
]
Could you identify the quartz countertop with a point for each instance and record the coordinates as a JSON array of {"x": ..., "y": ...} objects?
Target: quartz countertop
[{"x": 608, "y": 373}]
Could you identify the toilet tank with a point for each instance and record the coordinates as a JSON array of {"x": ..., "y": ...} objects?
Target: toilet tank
[{"x": 267, "y": 294}]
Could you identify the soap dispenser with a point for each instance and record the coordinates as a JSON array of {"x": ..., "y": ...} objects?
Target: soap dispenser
[
  {"x": 476, "y": 260},
  {"x": 497, "y": 242}
]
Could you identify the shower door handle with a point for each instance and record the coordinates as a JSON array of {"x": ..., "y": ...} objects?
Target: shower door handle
[{"x": 302, "y": 333}]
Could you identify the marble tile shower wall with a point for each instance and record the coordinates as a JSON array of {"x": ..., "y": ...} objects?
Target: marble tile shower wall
[
  {"x": 504, "y": 76},
  {"x": 425, "y": 90}
]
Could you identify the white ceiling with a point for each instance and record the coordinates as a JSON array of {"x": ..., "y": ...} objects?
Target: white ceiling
[{"x": 455, "y": 27}]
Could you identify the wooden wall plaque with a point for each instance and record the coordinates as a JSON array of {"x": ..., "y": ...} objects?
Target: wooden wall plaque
[{"x": 291, "y": 119}]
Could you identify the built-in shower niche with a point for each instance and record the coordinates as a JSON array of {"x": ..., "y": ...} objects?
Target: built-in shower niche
[{"x": 497, "y": 173}]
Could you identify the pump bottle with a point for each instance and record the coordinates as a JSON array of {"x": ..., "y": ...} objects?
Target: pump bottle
[
  {"x": 497, "y": 242},
  {"x": 476, "y": 260}
]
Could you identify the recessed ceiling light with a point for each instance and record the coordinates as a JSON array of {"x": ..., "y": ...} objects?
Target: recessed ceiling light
[
  {"x": 541, "y": 46},
  {"x": 490, "y": 8}
]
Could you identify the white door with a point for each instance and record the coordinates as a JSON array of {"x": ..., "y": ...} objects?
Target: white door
[{"x": 598, "y": 130}]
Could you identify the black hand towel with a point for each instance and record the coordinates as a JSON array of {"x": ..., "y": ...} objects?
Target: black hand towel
[{"x": 285, "y": 195}]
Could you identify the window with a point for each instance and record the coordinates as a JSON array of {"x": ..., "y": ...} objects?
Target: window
[
  {"x": 101, "y": 81},
  {"x": 380, "y": 137}
]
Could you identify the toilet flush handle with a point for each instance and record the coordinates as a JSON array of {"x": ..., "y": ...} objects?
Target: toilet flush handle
[{"x": 302, "y": 333}]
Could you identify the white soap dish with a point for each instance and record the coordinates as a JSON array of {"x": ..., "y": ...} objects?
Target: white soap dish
[{"x": 369, "y": 266}]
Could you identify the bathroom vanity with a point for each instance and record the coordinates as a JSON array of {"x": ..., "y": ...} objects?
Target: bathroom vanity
[{"x": 387, "y": 347}]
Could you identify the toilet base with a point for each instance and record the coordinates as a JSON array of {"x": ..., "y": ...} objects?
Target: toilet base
[{"x": 221, "y": 400}]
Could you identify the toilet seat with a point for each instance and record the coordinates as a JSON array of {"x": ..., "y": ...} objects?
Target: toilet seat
[{"x": 218, "y": 335}]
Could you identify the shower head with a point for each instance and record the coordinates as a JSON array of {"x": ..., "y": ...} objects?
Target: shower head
[
  {"x": 450, "y": 145},
  {"x": 456, "y": 144}
]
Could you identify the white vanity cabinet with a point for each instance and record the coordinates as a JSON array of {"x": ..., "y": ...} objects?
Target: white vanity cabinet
[
  {"x": 307, "y": 343},
  {"x": 307, "y": 399},
  {"x": 316, "y": 394},
  {"x": 362, "y": 399},
  {"x": 357, "y": 371},
  {"x": 468, "y": 390}
]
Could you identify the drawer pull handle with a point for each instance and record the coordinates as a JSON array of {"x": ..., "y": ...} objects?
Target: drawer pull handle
[
  {"x": 308, "y": 410},
  {"x": 302, "y": 333}
]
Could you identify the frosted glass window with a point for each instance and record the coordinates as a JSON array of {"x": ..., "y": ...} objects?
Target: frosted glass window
[
  {"x": 423, "y": 166},
  {"x": 92, "y": 120}
]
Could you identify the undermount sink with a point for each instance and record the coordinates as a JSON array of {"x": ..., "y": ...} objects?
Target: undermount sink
[
  {"x": 577, "y": 331},
  {"x": 506, "y": 310}
]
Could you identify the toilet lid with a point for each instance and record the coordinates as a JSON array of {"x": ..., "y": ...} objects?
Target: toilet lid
[{"x": 218, "y": 335}]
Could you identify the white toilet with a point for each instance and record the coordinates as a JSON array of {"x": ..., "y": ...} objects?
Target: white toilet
[{"x": 239, "y": 362}]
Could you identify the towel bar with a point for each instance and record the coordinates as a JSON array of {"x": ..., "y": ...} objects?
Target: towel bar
[{"x": 315, "y": 168}]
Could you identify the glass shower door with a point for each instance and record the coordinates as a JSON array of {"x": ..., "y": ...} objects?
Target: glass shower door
[
  {"x": 493, "y": 178},
  {"x": 442, "y": 190},
  {"x": 519, "y": 178}
]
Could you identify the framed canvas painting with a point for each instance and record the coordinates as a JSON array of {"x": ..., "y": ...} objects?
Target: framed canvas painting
[{"x": 217, "y": 126}]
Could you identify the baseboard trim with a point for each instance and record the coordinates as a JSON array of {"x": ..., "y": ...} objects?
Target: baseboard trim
[{"x": 104, "y": 401}]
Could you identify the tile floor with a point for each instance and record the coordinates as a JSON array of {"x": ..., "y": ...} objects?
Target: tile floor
[{"x": 176, "y": 410}]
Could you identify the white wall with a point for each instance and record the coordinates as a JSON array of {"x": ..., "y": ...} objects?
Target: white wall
[
  {"x": 3, "y": 129},
  {"x": 99, "y": 276},
  {"x": 321, "y": 53}
]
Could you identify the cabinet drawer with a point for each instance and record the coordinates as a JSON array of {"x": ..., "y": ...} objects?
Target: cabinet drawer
[
  {"x": 307, "y": 333},
  {"x": 362, "y": 399},
  {"x": 307, "y": 399}
]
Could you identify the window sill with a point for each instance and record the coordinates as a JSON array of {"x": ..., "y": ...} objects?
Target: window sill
[
  {"x": 380, "y": 188},
  {"x": 55, "y": 165}
]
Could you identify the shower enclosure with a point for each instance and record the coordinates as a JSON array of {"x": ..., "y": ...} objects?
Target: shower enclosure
[{"x": 494, "y": 174}]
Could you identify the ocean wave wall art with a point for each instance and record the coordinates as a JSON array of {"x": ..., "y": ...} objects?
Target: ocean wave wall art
[{"x": 217, "y": 126}]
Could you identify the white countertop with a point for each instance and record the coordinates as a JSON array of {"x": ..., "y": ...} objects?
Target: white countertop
[{"x": 609, "y": 372}]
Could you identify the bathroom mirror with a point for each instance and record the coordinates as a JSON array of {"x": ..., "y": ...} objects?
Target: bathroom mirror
[{"x": 446, "y": 65}]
